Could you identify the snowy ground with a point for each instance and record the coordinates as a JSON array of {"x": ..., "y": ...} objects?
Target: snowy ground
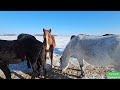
[{"x": 20, "y": 71}]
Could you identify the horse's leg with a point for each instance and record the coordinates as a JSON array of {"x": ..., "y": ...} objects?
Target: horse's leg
[
  {"x": 6, "y": 70},
  {"x": 35, "y": 69},
  {"x": 44, "y": 68},
  {"x": 39, "y": 66},
  {"x": 51, "y": 56},
  {"x": 35, "y": 72},
  {"x": 28, "y": 64},
  {"x": 81, "y": 68}
]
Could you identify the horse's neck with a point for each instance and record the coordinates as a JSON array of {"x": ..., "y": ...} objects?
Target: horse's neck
[
  {"x": 67, "y": 52},
  {"x": 53, "y": 41},
  {"x": 43, "y": 50},
  {"x": 44, "y": 46}
]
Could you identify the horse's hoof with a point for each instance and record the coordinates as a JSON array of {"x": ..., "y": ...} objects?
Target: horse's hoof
[
  {"x": 52, "y": 66},
  {"x": 45, "y": 77},
  {"x": 81, "y": 76},
  {"x": 32, "y": 77},
  {"x": 9, "y": 78}
]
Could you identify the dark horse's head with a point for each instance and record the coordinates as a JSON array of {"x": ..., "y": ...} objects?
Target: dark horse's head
[{"x": 72, "y": 37}]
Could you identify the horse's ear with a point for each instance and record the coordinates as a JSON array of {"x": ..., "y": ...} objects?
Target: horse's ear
[
  {"x": 50, "y": 30},
  {"x": 43, "y": 29}
]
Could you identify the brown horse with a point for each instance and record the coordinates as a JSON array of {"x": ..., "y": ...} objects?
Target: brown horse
[{"x": 50, "y": 43}]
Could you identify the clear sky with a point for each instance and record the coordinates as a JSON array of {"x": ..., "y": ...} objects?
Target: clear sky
[{"x": 61, "y": 22}]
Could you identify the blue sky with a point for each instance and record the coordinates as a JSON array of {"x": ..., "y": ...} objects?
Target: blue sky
[{"x": 61, "y": 22}]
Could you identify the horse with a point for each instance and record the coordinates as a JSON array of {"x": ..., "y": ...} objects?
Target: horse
[
  {"x": 42, "y": 59},
  {"x": 24, "y": 36},
  {"x": 16, "y": 51},
  {"x": 96, "y": 50},
  {"x": 50, "y": 43},
  {"x": 41, "y": 62}
]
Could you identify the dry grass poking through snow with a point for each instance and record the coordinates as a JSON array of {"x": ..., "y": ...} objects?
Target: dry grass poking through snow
[{"x": 72, "y": 72}]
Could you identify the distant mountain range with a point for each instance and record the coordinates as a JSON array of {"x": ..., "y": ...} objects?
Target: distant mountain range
[
  {"x": 17, "y": 34},
  {"x": 8, "y": 35},
  {"x": 42, "y": 35}
]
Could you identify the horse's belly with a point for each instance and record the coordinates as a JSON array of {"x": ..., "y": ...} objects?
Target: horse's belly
[
  {"x": 6, "y": 56},
  {"x": 14, "y": 61},
  {"x": 99, "y": 61},
  {"x": 12, "y": 58}
]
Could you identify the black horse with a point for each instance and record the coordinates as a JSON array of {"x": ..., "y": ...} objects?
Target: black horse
[
  {"x": 16, "y": 51},
  {"x": 41, "y": 62},
  {"x": 26, "y": 36}
]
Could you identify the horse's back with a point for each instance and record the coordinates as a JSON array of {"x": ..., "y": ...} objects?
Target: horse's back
[
  {"x": 8, "y": 43},
  {"x": 96, "y": 42},
  {"x": 24, "y": 36},
  {"x": 19, "y": 48},
  {"x": 11, "y": 50},
  {"x": 96, "y": 50},
  {"x": 29, "y": 40}
]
